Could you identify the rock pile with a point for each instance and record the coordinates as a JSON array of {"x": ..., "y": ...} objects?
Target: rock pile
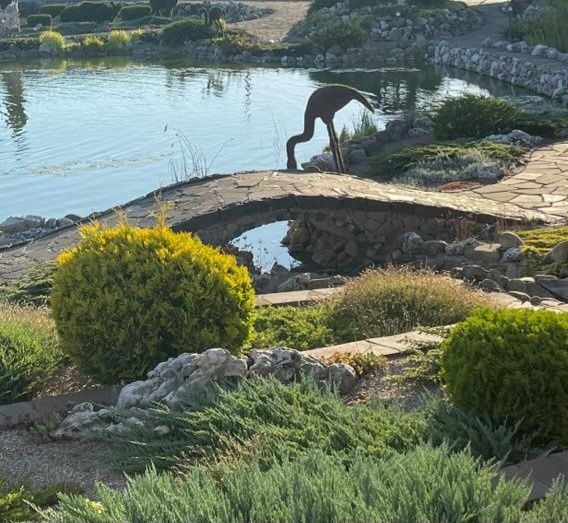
[
  {"x": 178, "y": 381},
  {"x": 16, "y": 229}
]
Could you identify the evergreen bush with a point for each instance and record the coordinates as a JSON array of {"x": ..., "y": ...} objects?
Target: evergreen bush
[
  {"x": 162, "y": 7},
  {"x": 52, "y": 9},
  {"x": 473, "y": 116},
  {"x": 42, "y": 19},
  {"x": 133, "y": 12},
  {"x": 90, "y": 12},
  {"x": 188, "y": 30},
  {"x": 512, "y": 365},
  {"x": 344, "y": 34},
  {"x": 127, "y": 298}
]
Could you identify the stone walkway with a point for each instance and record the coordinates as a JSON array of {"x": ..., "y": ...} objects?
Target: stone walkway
[
  {"x": 542, "y": 185},
  {"x": 223, "y": 207}
]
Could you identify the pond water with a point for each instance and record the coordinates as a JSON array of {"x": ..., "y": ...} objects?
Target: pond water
[{"x": 80, "y": 136}]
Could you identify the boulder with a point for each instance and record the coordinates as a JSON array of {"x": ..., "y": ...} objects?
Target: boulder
[
  {"x": 512, "y": 254},
  {"x": 488, "y": 285},
  {"x": 519, "y": 296},
  {"x": 558, "y": 254},
  {"x": 517, "y": 285},
  {"x": 434, "y": 247},
  {"x": 487, "y": 254},
  {"x": 508, "y": 240},
  {"x": 474, "y": 272},
  {"x": 357, "y": 156},
  {"x": 16, "y": 224},
  {"x": 559, "y": 288},
  {"x": 411, "y": 243}
]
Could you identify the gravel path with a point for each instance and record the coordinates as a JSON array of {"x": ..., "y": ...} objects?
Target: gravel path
[
  {"x": 274, "y": 27},
  {"x": 24, "y": 457}
]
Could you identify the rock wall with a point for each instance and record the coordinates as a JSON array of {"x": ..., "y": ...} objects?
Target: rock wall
[
  {"x": 550, "y": 80},
  {"x": 349, "y": 241}
]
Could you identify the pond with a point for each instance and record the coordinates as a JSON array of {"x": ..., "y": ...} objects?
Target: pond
[{"x": 80, "y": 136}]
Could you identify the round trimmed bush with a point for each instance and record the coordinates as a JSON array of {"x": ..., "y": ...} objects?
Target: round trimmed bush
[
  {"x": 188, "y": 30},
  {"x": 44, "y": 20},
  {"x": 90, "y": 12},
  {"x": 127, "y": 298},
  {"x": 162, "y": 7},
  {"x": 512, "y": 365},
  {"x": 52, "y": 9},
  {"x": 473, "y": 116},
  {"x": 133, "y": 12}
]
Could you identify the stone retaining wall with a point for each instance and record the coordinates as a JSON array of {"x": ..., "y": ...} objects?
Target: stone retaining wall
[{"x": 549, "y": 79}]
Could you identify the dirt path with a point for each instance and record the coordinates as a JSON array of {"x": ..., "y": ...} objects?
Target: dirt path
[{"x": 274, "y": 27}]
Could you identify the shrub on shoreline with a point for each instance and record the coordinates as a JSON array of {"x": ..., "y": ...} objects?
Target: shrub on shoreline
[
  {"x": 188, "y": 30},
  {"x": 473, "y": 116},
  {"x": 41, "y": 19}
]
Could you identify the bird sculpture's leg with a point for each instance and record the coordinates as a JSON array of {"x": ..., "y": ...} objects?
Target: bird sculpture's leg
[
  {"x": 332, "y": 146},
  {"x": 341, "y": 166}
]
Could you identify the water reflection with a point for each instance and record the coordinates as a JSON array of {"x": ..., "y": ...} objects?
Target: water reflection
[{"x": 13, "y": 101}]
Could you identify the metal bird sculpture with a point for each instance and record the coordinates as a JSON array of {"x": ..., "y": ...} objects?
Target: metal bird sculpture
[{"x": 324, "y": 103}]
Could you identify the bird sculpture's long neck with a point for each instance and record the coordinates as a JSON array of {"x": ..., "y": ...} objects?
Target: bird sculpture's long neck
[{"x": 309, "y": 125}]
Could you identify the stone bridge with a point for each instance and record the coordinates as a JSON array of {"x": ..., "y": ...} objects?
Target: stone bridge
[{"x": 370, "y": 217}]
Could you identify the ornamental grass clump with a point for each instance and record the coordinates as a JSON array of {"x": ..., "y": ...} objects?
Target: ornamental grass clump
[
  {"x": 512, "y": 365},
  {"x": 126, "y": 298},
  {"x": 53, "y": 40},
  {"x": 382, "y": 302},
  {"x": 29, "y": 352}
]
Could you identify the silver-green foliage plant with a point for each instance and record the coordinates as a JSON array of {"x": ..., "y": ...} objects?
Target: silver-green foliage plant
[
  {"x": 469, "y": 165},
  {"x": 423, "y": 485},
  {"x": 295, "y": 420}
]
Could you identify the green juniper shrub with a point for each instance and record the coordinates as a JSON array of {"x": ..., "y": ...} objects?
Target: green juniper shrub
[
  {"x": 513, "y": 366},
  {"x": 90, "y": 12},
  {"x": 29, "y": 352},
  {"x": 16, "y": 499},
  {"x": 473, "y": 116},
  {"x": 490, "y": 441},
  {"x": 301, "y": 328},
  {"x": 35, "y": 286},
  {"x": 133, "y": 12},
  {"x": 126, "y": 298},
  {"x": 343, "y": 34},
  {"x": 52, "y": 9},
  {"x": 409, "y": 158},
  {"x": 545, "y": 124},
  {"x": 187, "y": 30},
  {"x": 382, "y": 302},
  {"x": 42, "y": 19},
  {"x": 292, "y": 420},
  {"x": 425, "y": 484},
  {"x": 162, "y": 7}
]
